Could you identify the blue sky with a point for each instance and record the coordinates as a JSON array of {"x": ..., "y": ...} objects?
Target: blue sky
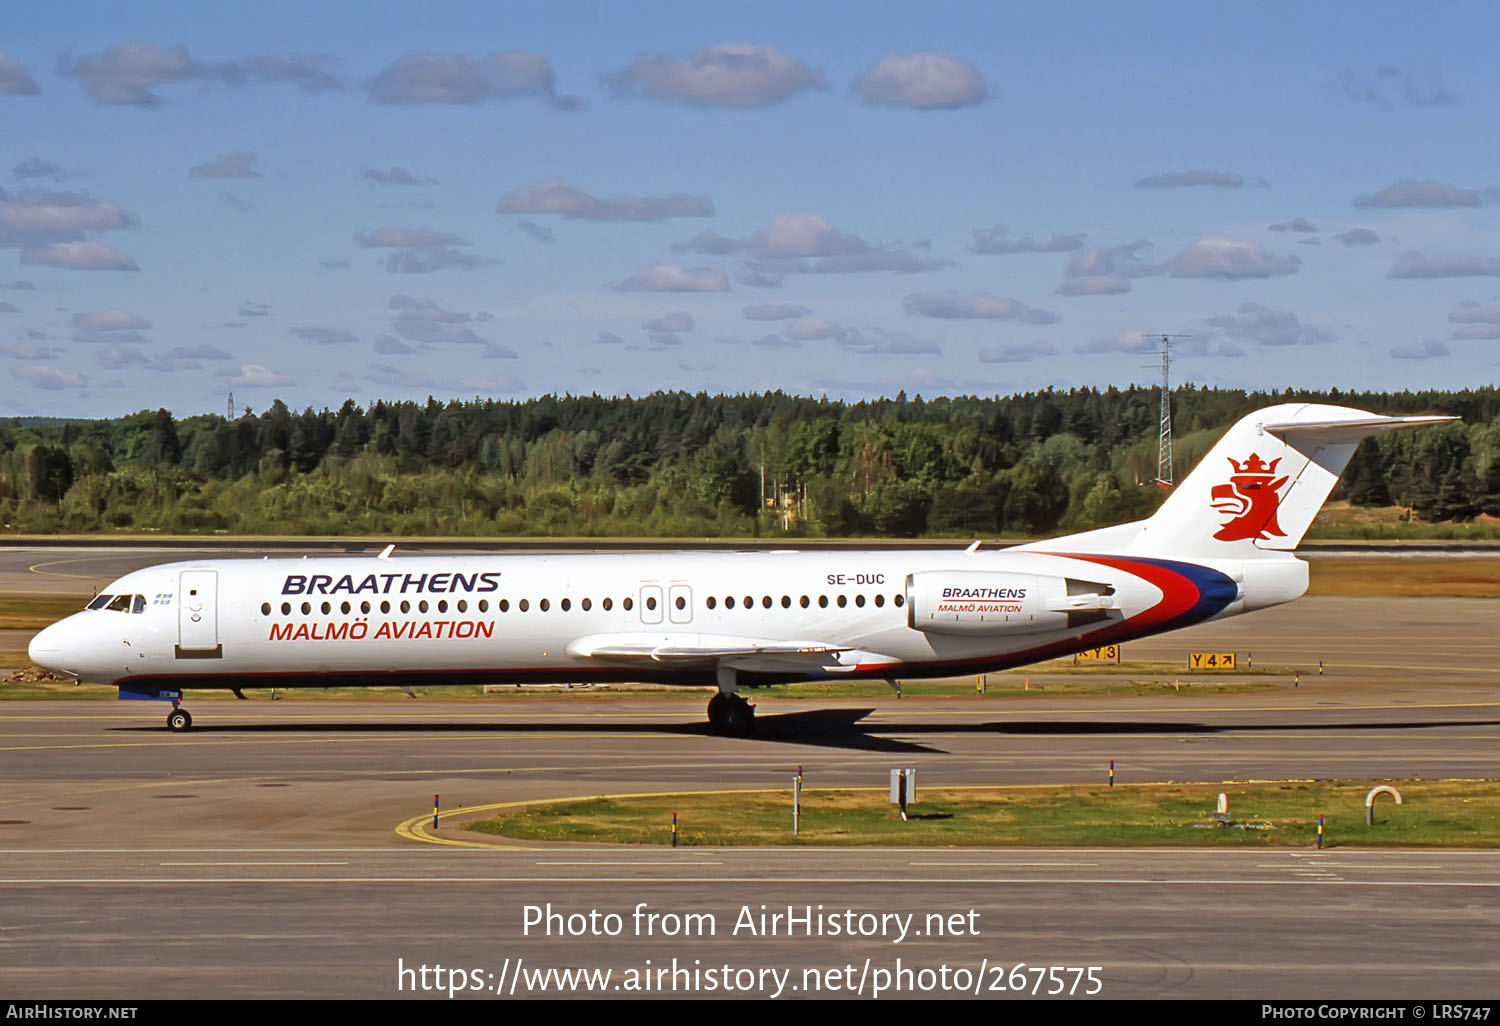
[{"x": 373, "y": 200}]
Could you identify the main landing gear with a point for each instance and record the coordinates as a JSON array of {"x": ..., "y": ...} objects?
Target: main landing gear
[
  {"x": 179, "y": 719},
  {"x": 728, "y": 712}
]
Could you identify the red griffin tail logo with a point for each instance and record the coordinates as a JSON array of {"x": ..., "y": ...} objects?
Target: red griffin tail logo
[{"x": 1249, "y": 500}]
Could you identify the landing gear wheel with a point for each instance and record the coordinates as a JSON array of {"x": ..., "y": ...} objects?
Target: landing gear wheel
[
  {"x": 738, "y": 717},
  {"x": 716, "y": 706},
  {"x": 179, "y": 720}
]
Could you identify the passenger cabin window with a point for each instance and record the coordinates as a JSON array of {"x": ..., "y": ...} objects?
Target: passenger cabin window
[{"x": 100, "y": 601}]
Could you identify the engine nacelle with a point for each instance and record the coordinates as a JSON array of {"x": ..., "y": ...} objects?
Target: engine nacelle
[{"x": 983, "y": 602}]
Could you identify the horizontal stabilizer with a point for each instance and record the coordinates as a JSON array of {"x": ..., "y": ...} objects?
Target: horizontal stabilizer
[{"x": 1350, "y": 429}]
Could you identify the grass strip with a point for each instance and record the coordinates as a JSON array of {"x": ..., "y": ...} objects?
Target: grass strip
[{"x": 1277, "y": 814}]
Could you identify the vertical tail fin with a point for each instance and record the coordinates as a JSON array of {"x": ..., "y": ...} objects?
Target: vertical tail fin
[{"x": 1261, "y": 485}]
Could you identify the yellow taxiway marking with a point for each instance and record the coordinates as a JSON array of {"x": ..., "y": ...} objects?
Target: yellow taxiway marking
[{"x": 36, "y": 568}]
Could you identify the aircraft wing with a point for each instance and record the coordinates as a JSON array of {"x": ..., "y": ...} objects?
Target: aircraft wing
[{"x": 687, "y": 649}]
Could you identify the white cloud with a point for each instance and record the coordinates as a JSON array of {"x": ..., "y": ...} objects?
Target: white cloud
[
  {"x": 109, "y": 320},
  {"x": 36, "y": 167},
  {"x": 308, "y": 73},
  {"x": 1419, "y": 350},
  {"x": 1215, "y": 256},
  {"x": 758, "y": 278},
  {"x": 426, "y": 259},
  {"x": 324, "y": 336},
  {"x": 1189, "y": 179},
  {"x": 677, "y": 278},
  {"x": 80, "y": 256},
  {"x": 1264, "y": 326},
  {"x": 255, "y": 375},
  {"x": 199, "y": 352},
  {"x": 878, "y": 341},
  {"x": 395, "y": 176},
  {"x": 422, "y": 320},
  {"x": 238, "y": 164},
  {"x": 807, "y": 243},
  {"x": 728, "y": 75},
  {"x": 1477, "y": 331},
  {"x": 1103, "y": 271},
  {"x": 923, "y": 81},
  {"x": 426, "y": 77},
  {"x": 15, "y": 80},
  {"x": 980, "y": 306},
  {"x": 126, "y": 73},
  {"x": 34, "y": 217},
  {"x": 775, "y": 312},
  {"x": 1473, "y": 313},
  {"x": 1409, "y": 192},
  {"x": 676, "y": 322},
  {"x": 710, "y": 243},
  {"x": 385, "y": 345},
  {"x": 1412, "y": 264},
  {"x": 1094, "y": 285},
  {"x": 29, "y": 351},
  {"x": 810, "y": 327},
  {"x": 1023, "y": 353},
  {"x": 1296, "y": 224},
  {"x": 418, "y": 250},
  {"x": 1124, "y": 342},
  {"x": 775, "y": 342},
  {"x": 539, "y": 232},
  {"x": 50, "y": 378},
  {"x": 390, "y": 236},
  {"x": 994, "y": 240},
  {"x": 805, "y": 235},
  {"x": 558, "y": 197}
]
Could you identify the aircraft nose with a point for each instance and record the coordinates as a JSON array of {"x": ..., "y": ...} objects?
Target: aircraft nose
[{"x": 49, "y": 646}]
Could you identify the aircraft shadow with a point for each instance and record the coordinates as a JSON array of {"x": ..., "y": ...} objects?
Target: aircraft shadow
[
  {"x": 828, "y": 728},
  {"x": 824, "y": 728}
]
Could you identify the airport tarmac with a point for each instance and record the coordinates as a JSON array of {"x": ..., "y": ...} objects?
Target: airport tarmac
[{"x": 257, "y": 855}]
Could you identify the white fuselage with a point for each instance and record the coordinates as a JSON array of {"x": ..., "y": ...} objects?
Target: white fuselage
[{"x": 678, "y": 617}]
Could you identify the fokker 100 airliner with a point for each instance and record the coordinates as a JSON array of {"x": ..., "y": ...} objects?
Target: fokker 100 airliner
[{"x": 1220, "y": 545}]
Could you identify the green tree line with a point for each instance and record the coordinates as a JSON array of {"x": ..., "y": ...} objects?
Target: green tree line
[{"x": 679, "y": 464}]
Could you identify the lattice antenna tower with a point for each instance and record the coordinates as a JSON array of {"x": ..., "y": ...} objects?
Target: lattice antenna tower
[{"x": 1164, "y": 437}]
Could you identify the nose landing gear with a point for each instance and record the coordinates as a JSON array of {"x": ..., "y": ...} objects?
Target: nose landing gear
[{"x": 179, "y": 719}]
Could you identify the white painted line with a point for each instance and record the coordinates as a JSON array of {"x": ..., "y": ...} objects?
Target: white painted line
[
  {"x": 663, "y": 862},
  {"x": 965, "y": 880},
  {"x": 1002, "y": 863},
  {"x": 253, "y": 863}
]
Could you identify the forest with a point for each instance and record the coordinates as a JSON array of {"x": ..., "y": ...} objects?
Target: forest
[{"x": 674, "y": 464}]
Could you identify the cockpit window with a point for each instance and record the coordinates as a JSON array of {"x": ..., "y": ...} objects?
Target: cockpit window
[
  {"x": 139, "y": 605},
  {"x": 121, "y": 604},
  {"x": 100, "y": 601}
]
